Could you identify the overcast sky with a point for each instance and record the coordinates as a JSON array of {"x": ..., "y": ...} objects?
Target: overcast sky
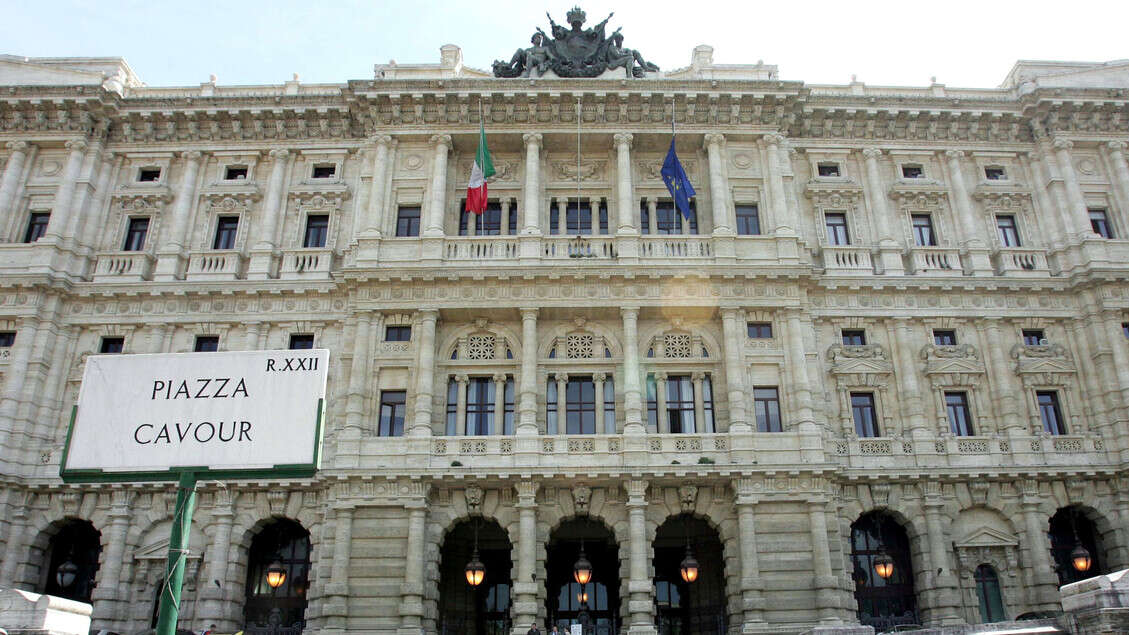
[{"x": 903, "y": 42}]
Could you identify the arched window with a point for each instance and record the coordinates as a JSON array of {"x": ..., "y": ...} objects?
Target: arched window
[
  {"x": 287, "y": 544},
  {"x": 882, "y": 602},
  {"x": 73, "y": 561},
  {"x": 1069, "y": 528},
  {"x": 988, "y": 593}
]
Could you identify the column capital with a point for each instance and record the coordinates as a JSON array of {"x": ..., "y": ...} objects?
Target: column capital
[
  {"x": 660, "y": 375},
  {"x": 279, "y": 154},
  {"x": 636, "y": 489},
  {"x": 630, "y": 312},
  {"x": 442, "y": 140},
  {"x": 532, "y": 139},
  {"x": 526, "y": 491},
  {"x": 381, "y": 140},
  {"x": 872, "y": 153},
  {"x": 17, "y": 146},
  {"x": 774, "y": 139},
  {"x": 560, "y": 377},
  {"x": 500, "y": 378},
  {"x": 745, "y": 489},
  {"x": 462, "y": 378},
  {"x": 192, "y": 155},
  {"x": 954, "y": 155},
  {"x": 599, "y": 377},
  {"x": 714, "y": 139},
  {"x": 697, "y": 375},
  {"x": 731, "y": 312},
  {"x": 1061, "y": 143},
  {"x": 1116, "y": 146},
  {"x": 77, "y": 145},
  {"x": 623, "y": 139},
  {"x": 529, "y": 313}
]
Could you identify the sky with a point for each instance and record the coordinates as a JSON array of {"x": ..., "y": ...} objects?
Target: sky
[{"x": 903, "y": 43}]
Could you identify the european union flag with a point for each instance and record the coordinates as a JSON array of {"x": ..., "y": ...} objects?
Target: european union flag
[{"x": 677, "y": 182}]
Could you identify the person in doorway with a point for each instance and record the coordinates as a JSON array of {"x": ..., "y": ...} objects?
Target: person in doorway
[
  {"x": 533, "y": 630},
  {"x": 555, "y": 631}
]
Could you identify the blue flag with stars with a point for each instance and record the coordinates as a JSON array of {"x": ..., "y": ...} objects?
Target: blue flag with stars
[{"x": 677, "y": 182}]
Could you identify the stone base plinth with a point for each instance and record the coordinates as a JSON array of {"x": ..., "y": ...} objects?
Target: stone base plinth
[{"x": 27, "y": 613}]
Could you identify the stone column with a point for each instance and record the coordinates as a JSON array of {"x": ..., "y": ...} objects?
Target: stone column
[
  {"x": 946, "y": 601},
  {"x": 562, "y": 217},
  {"x": 632, "y": 394},
  {"x": 734, "y": 370},
  {"x": 1115, "y": 150},
  {"x": 217, "y": 599},
  {"x": 411, "y": 594},
  {"x": 10, "y": 182},
  {"x": 261, "y": 265},
  {"x": 598, "y": 380},
  {"x": 358, "y": 385},
  {"x": 336, "y": 609},
  {"x": 251, "y": 339},
  {"x": 777, "y": 200},
  {"x": 177, "y": 240},
  {"x": 1003, "y": 382},
  {"x": 1043, "y": 585},
  {"x": 532, "y": 204},
  {"x": 1046, "y": 209},
  {"x": 699, "y": 403},
  {"x": 15, "y": 551},
  {"x": 625, "y": 193},
  {"x": 13, "y": 393},
  {"x": 752, "y": 598},
  {"x": 906, "y": 371},
  {"x": 562, "y": 404},
  {"x": 111, "y": 597},
  {"x": 461, "y": 381},
  {"x": 970, "y": 236},
  {"x": 660, "y": 396},
  {"x": 825, "y": 583},
  {"x": 640, "y": 588},
  {"x": 527, "y": 408},
  {"x": 89, "y": 226},
  {"x": 719, "y": 191},
  {"x": 499, "y": 404},
  {"x": 889, "y": 258},
  {"x": 801, "y": 386},
  {"x": 504, "y": 218},
  {"x": 64, "y": 195},
  {"x": 437, "y": 201},
  {"x": 653, "y": 216},
  {"x": 425, "y": 379},
  {"x": 374, "y": 215},
  {"x": 525, "y": 607},
  {"x": 1077, "y": 218}
]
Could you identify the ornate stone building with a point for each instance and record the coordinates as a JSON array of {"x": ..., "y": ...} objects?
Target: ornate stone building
[{"x": 892, "y": 327}]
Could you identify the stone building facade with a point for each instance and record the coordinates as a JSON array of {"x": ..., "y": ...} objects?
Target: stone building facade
[{"x": 897, "y": 321}]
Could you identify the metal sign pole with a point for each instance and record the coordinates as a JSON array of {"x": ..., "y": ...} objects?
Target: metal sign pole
[{"x": 178, "y": 553}]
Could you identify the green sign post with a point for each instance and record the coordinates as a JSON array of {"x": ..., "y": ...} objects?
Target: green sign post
[{"x": 178, "y": 553}]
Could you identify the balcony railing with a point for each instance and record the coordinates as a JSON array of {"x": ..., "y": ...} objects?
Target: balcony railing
[
  {"x": 306, "y": 264},
  {"x": 846, "y": 260},
  {"x": 579, "y": 247},
  {"x": 215, "y": 265},
  {"x": 675, "y": 247},
  {"x": 935, "y": 260},
  {"x": 1021, "y": 261},
  {"x": 123, "y": 266},
  {"x": 481, "y": 248}
]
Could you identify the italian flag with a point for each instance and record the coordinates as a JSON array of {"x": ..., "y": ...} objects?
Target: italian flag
[{"x": 482, "y": 170}]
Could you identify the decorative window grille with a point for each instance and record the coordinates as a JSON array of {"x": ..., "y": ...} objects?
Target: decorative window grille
[
  {"x": 678, "y": 345},
  {"x": 579, "y": 346},
  {"x": 480, "y": 347}
]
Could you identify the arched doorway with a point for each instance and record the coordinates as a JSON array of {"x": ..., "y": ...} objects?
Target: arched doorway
[
  {"x": 72, "y": 561},
  {"x": 882, "y": 602},
  {"x": 594, "y": 605},
  {"x": 1069, "y": 528},
  {"x": 481, "y": 610},
  {"x": 681, "y": 607},
  {"x": 275, "y": 605}
]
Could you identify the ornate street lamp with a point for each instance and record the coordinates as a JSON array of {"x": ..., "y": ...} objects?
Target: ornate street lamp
[
  {"x": 1081, "y": 558},
  {"x": 475, "y": 571},
  {"x": 884, "y": 565},
  {"x": 582, "y": 570},
  {"x": 276, "y": 574},
  {"x": 66, "y": 573},
  {"x": 689, "y": 567}
]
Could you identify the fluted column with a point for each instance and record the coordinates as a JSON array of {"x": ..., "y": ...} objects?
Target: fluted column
[
  {"x": 358, "y": 373},
  {"x": 374, "y": 214},
  {"x": 719, "y": 192},
  {"x": 10, "y": 182},
  {"x": 907, "y": 373},
  {"x": 425, "y": 378},
  {"x": 752, "y": 598},
  {"x": 1078, "y": 219},
  {"x": 653, "y": 216},
  {"x": 532, "y": 183},
  {"x": 632, "y": 393},
  {"x": 825, "y": 583},
  {"x": 64, "y": 195},
  {"x": 1003, "y": 381},
  {"x": 625, "y": 193},
  {"x": 504, "y": 220},
  {"x": 562, "y": 217},
  {"x": 639, "y": 585},
  {"x": 1115, "y": 150},
  {"x": 411, "y": 595},
  {"x": 108, "y": 597},
  {"x": 890, "y": 261},
  {"x": 734, "y": 370},
  {"x": 437, "y": 199},
  {"x": 777, "y": 198},
  {"x": 525, "y": 606},
  {"x": 15, "y": 551},
  {"x": 1046, "y": 207},
  {"x": 527, "y": 409}
]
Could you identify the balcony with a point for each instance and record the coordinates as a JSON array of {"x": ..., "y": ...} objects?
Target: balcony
[
  {"x": 216, "y": 265},
  {"x": 846, "y": 260},
  {"x": 123, "y": 266},
  {"x": 1020, "y": 262},
  {"x": 481, "y": 249},
  {"x": 580, "y": 247},
  {"x": 306, "y": 264},
  {"x": 943, "y": 261},
  {"x": 682, "y": 247},
  {"x": 970, "y": 451}
]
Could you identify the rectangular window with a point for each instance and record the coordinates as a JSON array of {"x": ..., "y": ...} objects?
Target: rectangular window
[
  {"x": 1034, "y": 337},
  {"x": 301, "y": 341},
  {"x": 760, "y": 330},
  {"x": 923, "y": 230},
  {"x": 226, "y": 228},
  {"x": 580, "y": 406},
  {"x": 551, "y": 403},
  {"x": 1007, "y": 230},
  {"x": 854, "y": 337},
  {"x": 644, "y": 218},
  {"x": 7, "y": 339},
  {"x": 707, "y": 406},
  {"x": 748, "y": 220},
  {"x": 862, "y": 408},
  {"x": 149, "y": 175},
  {"x": 508, "y": 407},
  {"x": 407, "y": 221},
  {"x": 111, "y": 345},
  {"x": 235, "y": 173},
  {"x": 397, "y": 333},
  {"x": 1099, "y": 221},
  {"x": 578, "y": 218},
  {"x": 1050, "y": 411},
  {"x": 680, "y": 404},
  {"x": 670, "y": 220},
  {"x": 944, "y": 338},
  {"x": 207, "y": 344},
  {"x": 327, "y": 171},
  {"x": 912, "y": 171},
  {"x": 480, "y": 406},
  {"x": 828, "y": 169},
  {"x": 135, "y": 234},
  {"x": 488, "y": 223},
  {"x": 36, "y": 226},
  {"x": 960, "y": 418},
  {"x": 995, "y": 174},
  {"x": 317, "y": 229},
  {"x": 837, "y": 228},
  {"x": 452, "y": 407},
  {"x": 652, "y": 404},
  {"x": 609, "y": 405},
  {"x": 766, "y": 404},
  {"x": 392, "y": 410}
]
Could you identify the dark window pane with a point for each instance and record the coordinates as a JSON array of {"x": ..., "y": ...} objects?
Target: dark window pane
[
  {"x": 923, "y": 230},
  {"x": 1099, "y": 221},
  {"x": 317, "y": 228},
  {"x": 862, "y": 409},
  {"x": 149, "y": 175},
  {"x": 912, "y": 172},
  {"x": 407, "y": 221},
  {"x": 995, "y": 174},
  {"x": 944, "y": 338},
  {"x": 36, "y": 226},
  {"x": 1034, "y": 337},
  {"x": 766, "y": 404},
  {"x": 7, "y": 339},
  {"x": 397, "y": 334},
  {"x": 748, "y": 220},
  {"x": 760, "y": 330},
  {"x": 207, "y": 343},
  {"x": 112, "y": 345},
  {"x": 392, "y": 410},
  {"x": 578, "y": 219},
  {"x": 1007, "y": 230},
  {"x": 301, "y": 341},
  {"x": 135, "y": 234},
  {"x": 226, "y": 229},
  {"x": 837, "y": 233},
  {"x": 680, "y": 404},
  {"x": 1050, "y": 412},
  {"x": 828, "y": 169},
  {"x": 235, "y": 173},
  {"x": 960, "y": 419},
  {"x": 854, "y": 337},
  {"x": 324, "y": 171},
  {"x": 644, "y": 218}
]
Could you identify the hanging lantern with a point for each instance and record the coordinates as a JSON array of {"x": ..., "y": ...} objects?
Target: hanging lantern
[
  {"x": 67, "y": 572},
  {"x": 689, "y": 567},
  {"x": 475, "y": 571},
  {"x": 276, "y": 574},
  {"x": 582, "y": 597},
  {"x": 1081, "y": 559},
  {"x": 582, "y": 570},
  {"x": 884, "y": 565}
]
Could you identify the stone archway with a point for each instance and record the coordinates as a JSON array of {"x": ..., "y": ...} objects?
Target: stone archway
[
  {"x": 882, "y": 602},
  {"x": 72, "y": 560},
  {"x": 596, "y": 605},
  {"x": 697, "y": 606},
  {"x": 482, "y": 610}
]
